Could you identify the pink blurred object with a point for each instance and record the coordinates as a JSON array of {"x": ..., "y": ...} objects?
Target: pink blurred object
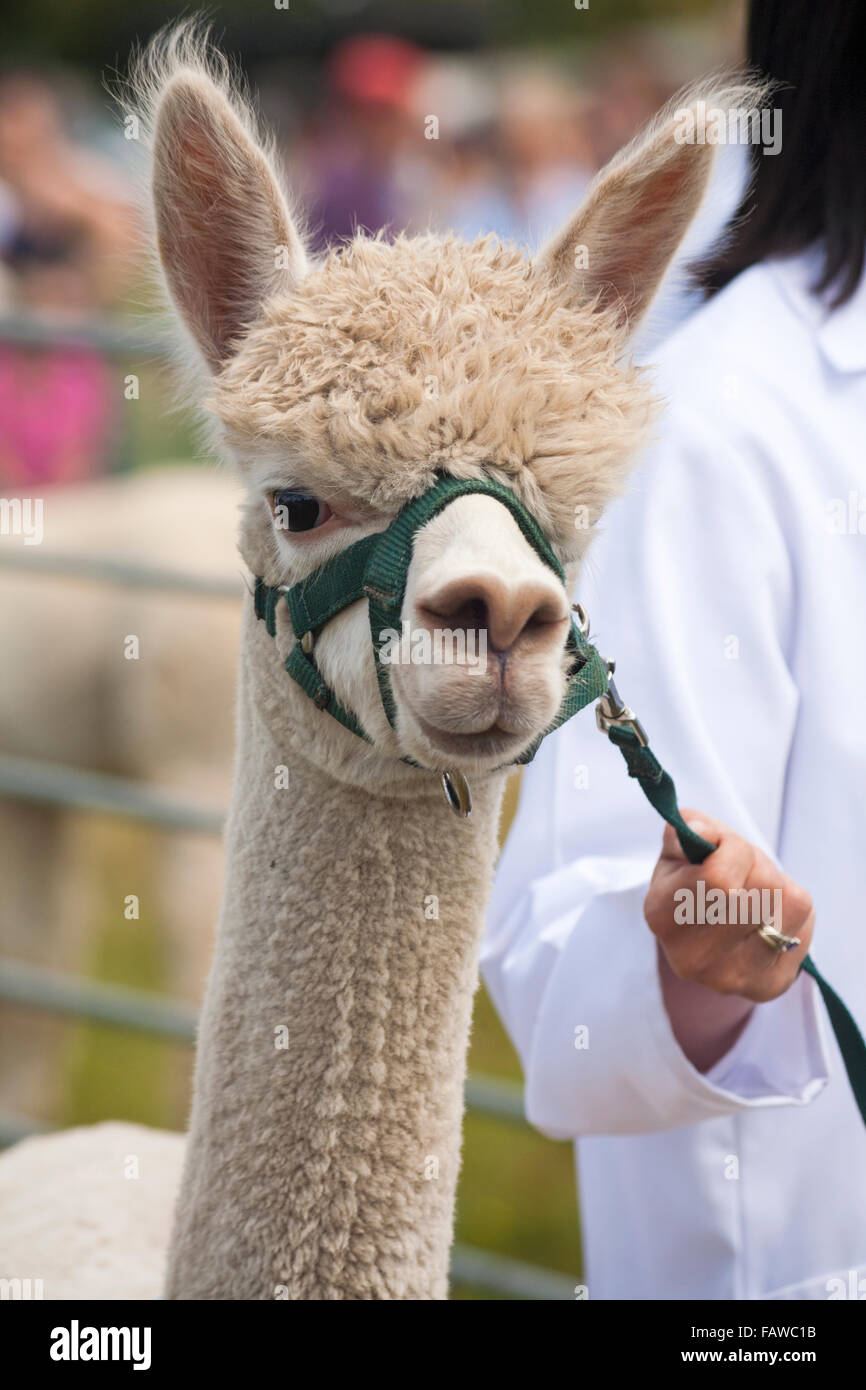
[{"x": 55, "y": 415}]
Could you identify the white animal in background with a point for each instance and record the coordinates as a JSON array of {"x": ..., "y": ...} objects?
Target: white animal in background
[{"x": 72, "y": 693}]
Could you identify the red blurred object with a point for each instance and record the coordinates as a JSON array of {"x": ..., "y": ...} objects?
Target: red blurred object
[{"x": 376, "y": 69}]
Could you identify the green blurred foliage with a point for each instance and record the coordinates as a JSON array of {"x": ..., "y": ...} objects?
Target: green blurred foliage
[
  {"x": 98, "y": 33},
  {"x": 105, "y": 1072},
  {"x": 517, "y": 1190},
  {"x": 157, "y": 426}
]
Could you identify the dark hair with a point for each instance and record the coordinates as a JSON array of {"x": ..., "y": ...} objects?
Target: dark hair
[{"x": 814, "y": 189}]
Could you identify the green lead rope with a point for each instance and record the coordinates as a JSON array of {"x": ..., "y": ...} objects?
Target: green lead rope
[{"x": 659, "y": 789}]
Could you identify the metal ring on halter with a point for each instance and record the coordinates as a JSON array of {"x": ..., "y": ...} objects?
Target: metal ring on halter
[
  {"x": 776, "y": 940},
  {"x": 457, "y": 794},
  {"x": 610, "y": 711},
  {"x": 582, "y": 618}
]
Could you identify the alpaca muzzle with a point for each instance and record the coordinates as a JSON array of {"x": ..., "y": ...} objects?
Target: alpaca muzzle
[{"x": 376, "y": 568}]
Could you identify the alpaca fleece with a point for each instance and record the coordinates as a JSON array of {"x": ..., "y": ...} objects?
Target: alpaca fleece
[{"x": 393, "y": 361}]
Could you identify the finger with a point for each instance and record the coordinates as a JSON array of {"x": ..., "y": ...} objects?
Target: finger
[
  {"x": 708, "y": 911},
  {"x": 733, "y": 957},
  {"x": 784, "y": 903},
  {"x": 760, "y": 972},
  {"x": 710, "y": 829},
  {"x": 727, "y": 953},
  {"x": 688, "y": 907},
  {"x": 728, "y": 867}
]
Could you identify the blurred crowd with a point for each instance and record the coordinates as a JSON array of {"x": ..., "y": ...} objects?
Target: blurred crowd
[
  {"x": 383, "y": 135},
  {"x": 401, "y": 137}
]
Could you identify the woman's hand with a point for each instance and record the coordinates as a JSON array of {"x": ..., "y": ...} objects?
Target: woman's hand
[{"x": 713, "y": 971}]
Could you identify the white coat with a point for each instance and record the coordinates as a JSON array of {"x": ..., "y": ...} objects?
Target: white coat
[{"x": 730, "y": 586}]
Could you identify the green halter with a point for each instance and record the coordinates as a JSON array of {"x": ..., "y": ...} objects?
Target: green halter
[{"x": 376, "y": 568}]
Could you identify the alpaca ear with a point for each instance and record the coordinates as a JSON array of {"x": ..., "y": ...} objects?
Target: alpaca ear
[
  {"x": 225, "y": 234},
  {"x": 617, "y": 247}
]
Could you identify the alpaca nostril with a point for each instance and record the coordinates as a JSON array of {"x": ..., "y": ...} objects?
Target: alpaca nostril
[
  {"x": 506, "y": 613},
  {"x": 470, "y": 614},
  {"x": 539, "y": 617}
]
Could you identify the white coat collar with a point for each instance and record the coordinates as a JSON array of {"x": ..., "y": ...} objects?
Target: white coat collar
[{"x": 840, "y": 333}]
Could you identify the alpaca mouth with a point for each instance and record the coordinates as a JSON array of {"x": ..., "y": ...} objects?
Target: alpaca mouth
[{"x": 492, "y": 741}]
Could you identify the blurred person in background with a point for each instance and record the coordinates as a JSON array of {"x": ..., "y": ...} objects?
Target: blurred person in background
[
  {"x": 513, "y": 157},
  {"x": 67, "y": 233},
  {"x": 516, "y": 153},
  {"x": 546, "y": 153},
  {"x": 627, "y": 90},
  {"x": 465, "y": 188},
  {"x": 720, "y": 1149},
  {"x": 357, "y": 147},
  {"x": 629, "y": 85}
]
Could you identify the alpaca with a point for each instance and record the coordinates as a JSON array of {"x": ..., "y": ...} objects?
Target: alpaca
[{"x": 324, "y": 1143}]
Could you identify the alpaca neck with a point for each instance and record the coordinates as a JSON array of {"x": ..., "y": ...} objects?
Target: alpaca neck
[{"x": 324, "y": 1144}]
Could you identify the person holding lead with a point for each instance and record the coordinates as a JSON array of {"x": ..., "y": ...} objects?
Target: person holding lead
[{"x": 720, "y": 1150}]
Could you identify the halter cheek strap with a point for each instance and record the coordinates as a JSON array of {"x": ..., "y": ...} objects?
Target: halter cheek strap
[{"x": 376, "y": 567}]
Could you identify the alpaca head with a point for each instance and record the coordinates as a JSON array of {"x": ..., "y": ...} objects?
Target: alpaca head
[{"x": 343, "y": 387}]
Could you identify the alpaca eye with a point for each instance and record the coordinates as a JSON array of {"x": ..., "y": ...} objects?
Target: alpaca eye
[{"x": 295, "y": 511}]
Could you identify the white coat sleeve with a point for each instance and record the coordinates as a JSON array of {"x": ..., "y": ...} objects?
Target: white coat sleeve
[{"x": 691, "y": 590}]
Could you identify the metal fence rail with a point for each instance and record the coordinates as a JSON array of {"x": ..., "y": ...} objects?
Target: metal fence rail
[
  {"x": 55, "y": 784},
  {"x": 35, "y": 987},
  {"x": 113, "y": 337},
  {"x": 107, "y": 570},
  {"x": 500, "y": 1274}
]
